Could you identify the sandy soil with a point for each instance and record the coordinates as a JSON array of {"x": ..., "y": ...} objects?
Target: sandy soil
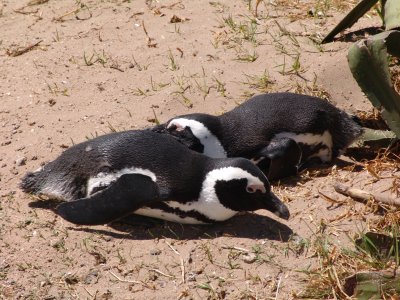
[{"x": 110, "y": 65}]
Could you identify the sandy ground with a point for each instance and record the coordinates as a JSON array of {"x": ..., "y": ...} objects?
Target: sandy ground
[{"x": 110, "y": 65}]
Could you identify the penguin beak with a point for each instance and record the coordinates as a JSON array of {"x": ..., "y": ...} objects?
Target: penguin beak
[{"x": 278, "y": 207}]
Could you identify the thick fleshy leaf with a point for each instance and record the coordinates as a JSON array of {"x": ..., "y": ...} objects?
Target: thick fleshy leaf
[
  {"x": 378, "y": 245},
  {"x": 372, "y": 137},
  {"x": 368, "y": 61},
  {"x": 352, "y": 17},
  {"x": 371, "y": 285},
  {"x": 392, "y": 14}
]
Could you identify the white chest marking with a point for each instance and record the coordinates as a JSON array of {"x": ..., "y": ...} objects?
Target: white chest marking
[
  {"x": 160, "y": 214},
  {"x": 312, "y": 140},
  {"x": 212, "y": 146},
  {"x": 208, "y": 203},
  {"x": 104, "y": 179}
]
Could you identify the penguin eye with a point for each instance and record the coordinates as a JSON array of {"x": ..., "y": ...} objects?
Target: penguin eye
[
  {"x": 250, "y": 189},
  {"x": 175, "y": 127}
]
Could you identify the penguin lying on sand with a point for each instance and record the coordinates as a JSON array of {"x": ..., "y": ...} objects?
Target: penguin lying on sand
[
  {"x": 279, "y": 132},
  {"x": 150, "y": 174}
]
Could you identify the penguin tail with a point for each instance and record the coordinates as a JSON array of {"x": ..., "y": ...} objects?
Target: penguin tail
[
  {"x": 31, "y": 183},
  {"x": 353, "y": 125},
  {"x": 356, "y": 119},
  {"x": 53, "y": 187},
  {"x": 347, "y": 130}
]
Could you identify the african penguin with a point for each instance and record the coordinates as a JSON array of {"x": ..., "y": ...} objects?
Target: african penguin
[
  {"x": 279, "y": 132},
  {"x": 150, "y": 174}
]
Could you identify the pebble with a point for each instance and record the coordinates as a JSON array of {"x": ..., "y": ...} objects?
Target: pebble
[
  {"x": 191, "y": 276},
  {"x": 249, "y": 258},
  {"x": 155, "y": 251},
  {"x": 71, "y": 278},
  {"x": 20, "y": 161},
  {"x": 91, "y": 277},
  {"x": 107, "y": 238}
]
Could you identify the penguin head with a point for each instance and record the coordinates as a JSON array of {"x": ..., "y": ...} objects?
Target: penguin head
[
  {"x": 201, "y": 132},
  {"x": 239, "y": 185}
]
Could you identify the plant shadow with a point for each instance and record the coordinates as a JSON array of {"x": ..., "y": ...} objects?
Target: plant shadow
[{"x": 357, "y": 35}]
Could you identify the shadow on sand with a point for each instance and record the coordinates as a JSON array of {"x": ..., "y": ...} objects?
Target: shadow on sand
[
  {"x": 357, "y": 35},
  {"x": 246, "y": 225}
]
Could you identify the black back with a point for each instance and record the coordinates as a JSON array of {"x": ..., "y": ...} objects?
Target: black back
[
  {"x": 174, "y": 165},
  {"x": 249, "y": 127}
]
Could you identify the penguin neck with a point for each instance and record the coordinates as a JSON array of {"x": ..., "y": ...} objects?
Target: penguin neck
[
  {"x": 212, "y": 145},
  {"x": 208, "y": 134},
  {"x": 232, "y": 136},
  {"x": 208, "y": 202}
]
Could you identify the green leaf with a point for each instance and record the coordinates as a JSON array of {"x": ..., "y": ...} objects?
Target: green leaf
[
  {"x": 392, "y": 14},
  {"x": 368, "y": 62},
  {"x": 371, "y": 285},
  {"x": 371, "y": 137},
  {"x": 377, "y": 244},
  {"x": 352, "y": 17}
]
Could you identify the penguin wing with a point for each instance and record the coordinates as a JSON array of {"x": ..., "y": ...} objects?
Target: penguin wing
[
  {"x": 284, "y": 156},
  {"x": 128, "y": 193}
]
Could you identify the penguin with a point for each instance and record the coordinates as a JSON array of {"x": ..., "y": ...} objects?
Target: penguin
[
  {"x": 150, "y": 174},
  {"x": 280, "y": 132}
]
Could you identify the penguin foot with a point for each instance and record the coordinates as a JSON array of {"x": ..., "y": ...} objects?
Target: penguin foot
[
  {"x": 312, "y": 163},
  {"x": 279, "y": 159},
  {"x": 128, "y": 193}
]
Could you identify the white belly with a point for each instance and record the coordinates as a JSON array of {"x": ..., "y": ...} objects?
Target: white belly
[
  {"x": 312, "y": 140},
  {"x": 211, "y": 210},
  {"x": 160, "y": 214}
]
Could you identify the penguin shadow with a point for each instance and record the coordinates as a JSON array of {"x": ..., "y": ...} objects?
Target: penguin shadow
[
  {"x": 246, "y": 225},
  {"x": 372, "y": 150},
  {"x": 376, "y": 148},
  {"x": 357, "y": 35},
  {"x": 134, "y": 227},
  {"x": 316, "y": 170}
]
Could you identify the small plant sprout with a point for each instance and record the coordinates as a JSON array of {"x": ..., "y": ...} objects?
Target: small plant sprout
[
  {"x": 173, "y": 65},
  {"x": 260, "y": 83}
]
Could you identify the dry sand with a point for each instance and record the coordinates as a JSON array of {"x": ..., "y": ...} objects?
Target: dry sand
[{"x": 113, "y": 65}]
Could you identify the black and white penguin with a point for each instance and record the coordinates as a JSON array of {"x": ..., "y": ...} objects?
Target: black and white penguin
[
  {"x": 279, "y": 132},
  {"x": 150, "y": 174}
]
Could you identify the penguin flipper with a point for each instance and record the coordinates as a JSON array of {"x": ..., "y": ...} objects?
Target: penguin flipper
[
  {"x": 128, "y": 193},
  {"x": 284, "y": 156}
]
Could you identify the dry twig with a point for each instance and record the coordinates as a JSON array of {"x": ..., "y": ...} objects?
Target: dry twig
[
  {"x": 36, "y": 2},
  {"x": 20, "y": 51},
  {"x": 161, "y": 273},
  {"x": 150, "y": 41},
  {"x": 235, "y": 248},
  {"x": 365, "y": 196},
  {"x": 21, "y": 11},
  {"x": 124, "y": 280}
]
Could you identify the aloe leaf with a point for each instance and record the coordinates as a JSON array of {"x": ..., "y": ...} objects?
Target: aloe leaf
[
  {"x": 352, "y": 17},
  {"x": 378, "y": 244},
  {"x": 371, "y": 285},
  {"x": 368, "y": 61},
  {"x": 392, "y": 14},
  {"x": 374, "y": 138}
]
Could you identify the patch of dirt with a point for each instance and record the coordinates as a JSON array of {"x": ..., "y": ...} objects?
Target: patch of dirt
[{"x": 72, "y": 70}]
